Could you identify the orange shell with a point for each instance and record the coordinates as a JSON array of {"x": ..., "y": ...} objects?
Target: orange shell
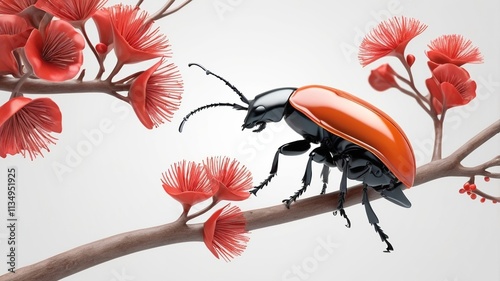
[{"x": 359, "y": 122}]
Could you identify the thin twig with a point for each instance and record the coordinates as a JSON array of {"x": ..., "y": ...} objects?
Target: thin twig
[
  {"x": 413, "y": 95},
  {"x": 175, "y": 9},
  {"x": 160, "y": 12},
  {"x": 163, "y": 12},
  {"x": 92, "y": 48}
]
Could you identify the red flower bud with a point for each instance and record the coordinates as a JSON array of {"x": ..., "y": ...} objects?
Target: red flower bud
[
  {"x": 101, "y": 48},
  {"x": 382, "y": 78},
  {"x": 410, "y": 59}
]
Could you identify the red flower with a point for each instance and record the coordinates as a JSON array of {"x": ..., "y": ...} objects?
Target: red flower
[
  {"x": 389, "y": 38},
  {"x": 71, "y": 10},
  {"x": 104, "y": 28},
  {"x": 26, "y": 125},
  {"x": 55, "y": 54},
  {"x": 13, "y": 7},
  {"x": 14, "y": 32},
  {"x": 233, "y": 181},
  {"x": 155, "y": 94},
  {"x": 450, "y": 86},
  {"x": 134, "y": 38},
  {"x": 187, "y": 183},
  {"x": 224, "y": 233},
  {"x": 382, "y": 78},
  {"x": 453, "y": 49}
]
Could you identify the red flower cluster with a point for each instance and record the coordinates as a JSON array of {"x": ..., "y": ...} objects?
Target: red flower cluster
[
  {"x": 471, "y": 190},
  {"x": 46, "y": 39},
  {"x": 450, "y": 84},
  {"x": 219, "y": 178}
]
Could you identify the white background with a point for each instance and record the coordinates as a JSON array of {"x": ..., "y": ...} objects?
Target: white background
[{"x": 114, "y": 185}]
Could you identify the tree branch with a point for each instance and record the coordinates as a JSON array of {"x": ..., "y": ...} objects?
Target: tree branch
[
  {"x": 38, "y": 86},
  {"x": 476, "y": 142},
  {"x": 94, "y": 253}
]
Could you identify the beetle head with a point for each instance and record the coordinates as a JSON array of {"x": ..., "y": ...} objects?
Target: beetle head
[{"x": 267, "y": 107}]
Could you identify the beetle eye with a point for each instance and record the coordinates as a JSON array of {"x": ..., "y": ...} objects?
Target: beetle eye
[{"x": 260, "y": 109}]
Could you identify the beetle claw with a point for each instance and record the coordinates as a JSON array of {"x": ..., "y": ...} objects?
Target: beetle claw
[
  {"x": 342, "y": 213},
  {"x": 384, "y": 238},
  {"x": 287, "y": 203}
]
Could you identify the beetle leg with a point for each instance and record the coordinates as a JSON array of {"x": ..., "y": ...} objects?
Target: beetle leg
[
  {"x": 306, "y": 181},
  {"x": 319, "y": 155},
  {"x": 373, "y": 220},
  {"x": 343, "y": 191},
  {"x": 324, "y": 176},
  {"x": 291, "y": 149}
]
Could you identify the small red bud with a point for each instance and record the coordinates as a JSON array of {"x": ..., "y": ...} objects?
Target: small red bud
[
  {"x": 469, "y": 193},
  {"x": 494, "y": 201},
  {"x": 483, "y": 199},
  {"x": 410, "y": 59},
  {"x": 101, "y": 48},
  {"x": 486, "y": 179},
  {"x": 461, "y": 190},
  {"x": 473, "y": 196},
  {"x": 467, "y": 186},
  {"x": 472, "y": 186}
]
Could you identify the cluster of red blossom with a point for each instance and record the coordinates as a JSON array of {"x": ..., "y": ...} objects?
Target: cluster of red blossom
[
  {"x": 470, "y": 188},
  {"x": 219, "y": 178},
  {"x": 44, "y": 40},
  {"x": 450, "y": 84}
]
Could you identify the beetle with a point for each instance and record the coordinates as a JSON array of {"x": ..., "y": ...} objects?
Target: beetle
[{"x": 363, "y": 142}]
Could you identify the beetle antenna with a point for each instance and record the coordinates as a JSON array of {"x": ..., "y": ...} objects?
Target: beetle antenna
[
  {"x": 233, "y": 105},
  {"x": 208, "y": 72}
]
